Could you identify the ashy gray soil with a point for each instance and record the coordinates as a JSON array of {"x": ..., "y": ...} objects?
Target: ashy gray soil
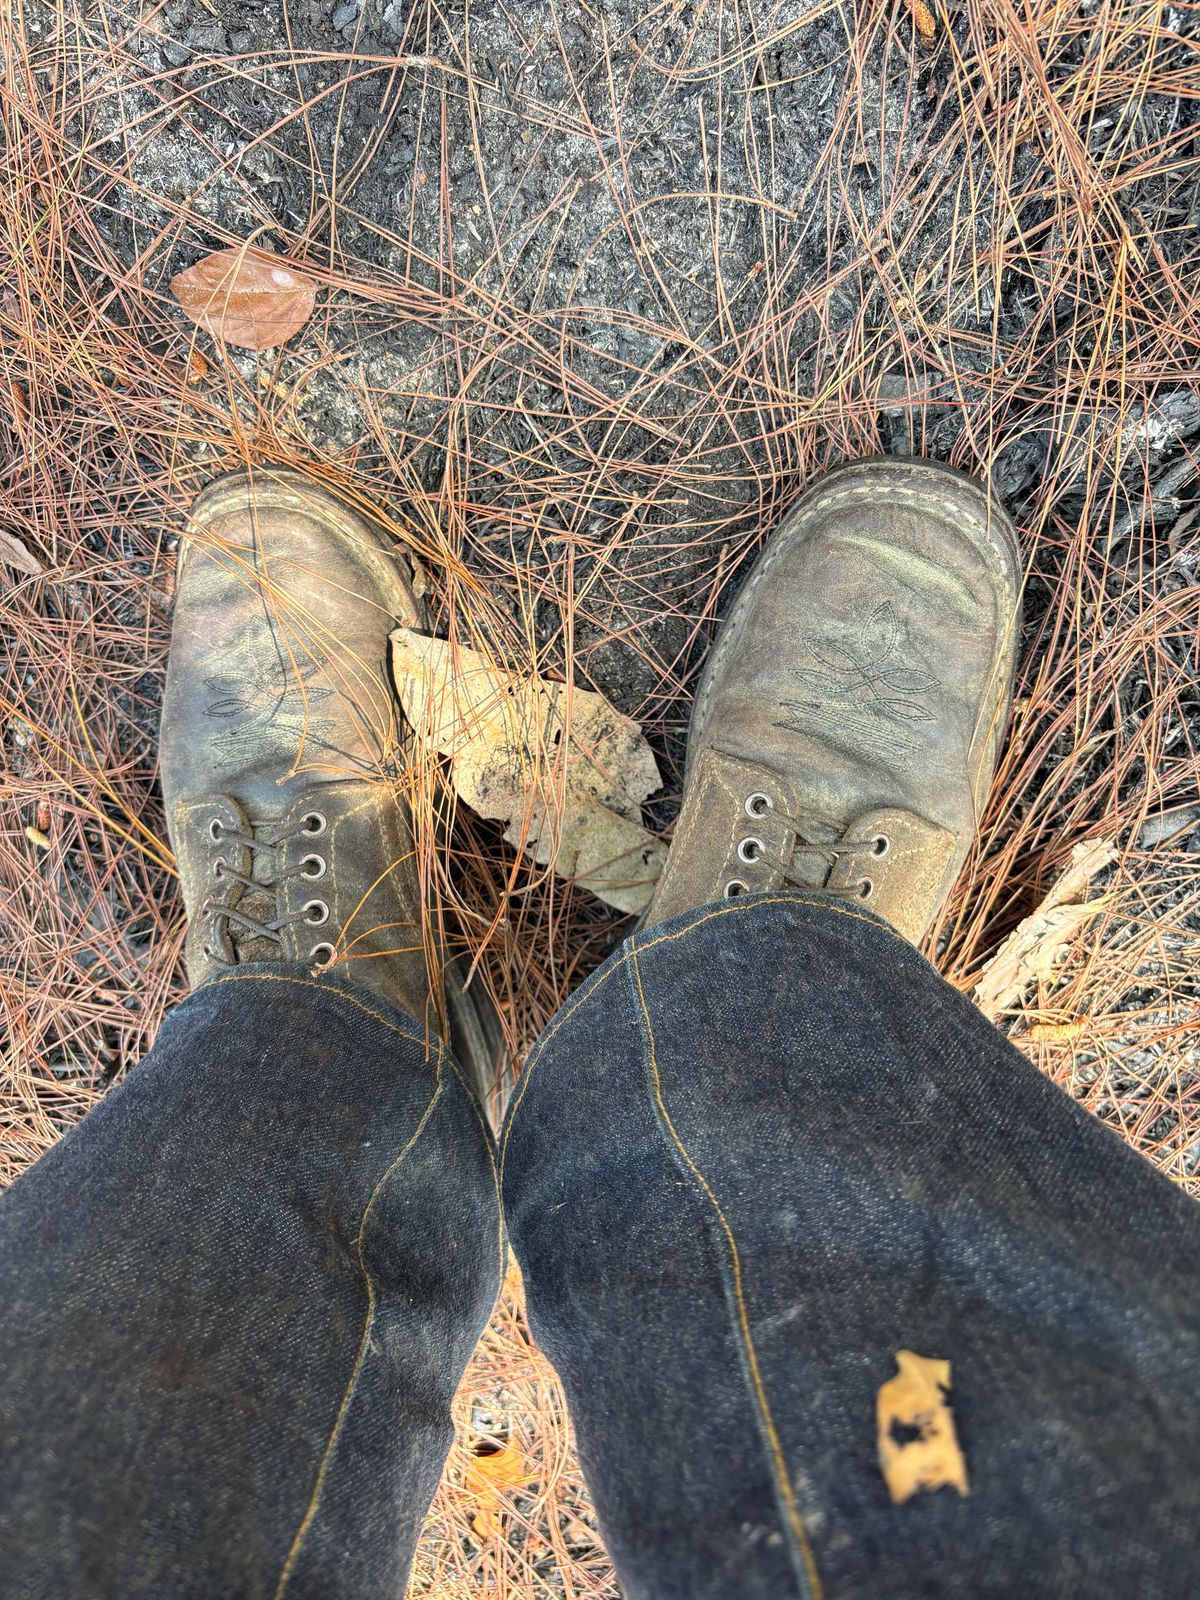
[
  {"x": 618, "y": 282},
  {"x": 619, "y": 260}
]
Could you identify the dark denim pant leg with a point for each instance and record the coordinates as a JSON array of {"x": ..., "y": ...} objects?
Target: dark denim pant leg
[
  {"x": 236, "y": 1303},
  {"x": 764, "y": 1149}
]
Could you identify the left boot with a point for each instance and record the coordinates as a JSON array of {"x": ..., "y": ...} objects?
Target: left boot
[{"x": 283, "y": 751}]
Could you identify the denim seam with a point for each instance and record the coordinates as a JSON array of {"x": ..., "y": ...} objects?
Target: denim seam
[
  {"x": 806, "y": 1570},
  {"x": 488, "y": 1145},
  {"x": 418, "y": 1035},
  {"x": 368, "y": 1321},
  {"x": 591, "y": 986}
]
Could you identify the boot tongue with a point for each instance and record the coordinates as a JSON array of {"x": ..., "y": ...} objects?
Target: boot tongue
[
  {"x": 261, "y": 903},
  {"x": 809, "y": 868}
]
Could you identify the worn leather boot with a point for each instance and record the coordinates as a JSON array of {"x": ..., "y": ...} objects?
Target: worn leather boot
[
  {"x": 283, "y": 748},
  {"x": 847, "y": 723}
]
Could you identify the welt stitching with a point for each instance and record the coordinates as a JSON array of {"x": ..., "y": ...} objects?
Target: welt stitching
[
  {"x": 360, "y": 1358},
  {"x": 779, "y": 1468}
]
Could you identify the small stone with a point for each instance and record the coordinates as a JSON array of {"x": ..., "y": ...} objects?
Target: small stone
[
  {"x": 177, "y": 53},
  {"x": 207, "y": 36},
  {"x": 343, "y": 17}
]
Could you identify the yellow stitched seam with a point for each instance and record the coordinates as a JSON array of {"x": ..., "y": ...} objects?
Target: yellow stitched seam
[
  {"x": 782, "y": 1477},
  {"x": 585, "y": 993},
  {"x": 331, "y": 994},
  {"x": 368, "y": 1320}
]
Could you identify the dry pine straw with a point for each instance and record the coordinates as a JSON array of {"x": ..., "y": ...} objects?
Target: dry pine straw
[{"x": 115, "y": 410}]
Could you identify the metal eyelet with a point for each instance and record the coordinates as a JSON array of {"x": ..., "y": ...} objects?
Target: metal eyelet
[
  {"x": 322, "y": 953},
  {"x": 880, "y": 845},
  {"x": 757, "y": 804},
  {"x": 314, "y": 823},
  {"x": 216, "y": 830},
  {"x": 866, "y": 888},
  {"x": 218, "y": 867},
  {"x": 320, "y": 913},
  {"x": 319, "y": 868},
  {"x": 736, "y": 886},
  {"x": 750, "y": 849}
]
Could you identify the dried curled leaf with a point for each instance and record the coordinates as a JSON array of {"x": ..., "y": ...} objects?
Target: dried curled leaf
[
  {"x": 15, "y": 554},
  {"x": 491, "y": 1476},
  {"x": 918, "y": 1446},
  {"x": 570, "y": 790},
  {"x": 246, "y": 297},
  {"x": 1035, "y": 947}
]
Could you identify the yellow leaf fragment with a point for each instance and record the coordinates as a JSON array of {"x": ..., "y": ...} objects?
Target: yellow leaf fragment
[
  {"x": 560, "y": 766},
  {"x": 490, "y": 1477},
  {"x": 1034, "y": 949},
  {"x": 918, "y": 1447},
  {"x": 246, "y": 297},
  {"x": 925, "y": 20}
]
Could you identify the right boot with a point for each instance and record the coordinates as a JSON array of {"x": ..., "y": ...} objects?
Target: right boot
[
  {"x": 847, "y": 723},
  {"x": 283, "y": 751}
]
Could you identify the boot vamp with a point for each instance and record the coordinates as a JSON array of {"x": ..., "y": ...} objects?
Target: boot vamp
[
  {"x": 277, "y": 678},
  {"x": 867, "y": 670}
]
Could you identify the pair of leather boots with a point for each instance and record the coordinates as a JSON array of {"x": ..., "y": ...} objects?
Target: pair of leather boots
[{"x": 844, "y": 733}]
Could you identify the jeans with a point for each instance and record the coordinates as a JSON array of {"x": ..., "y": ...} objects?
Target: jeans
[{"x": 763, "y": 1149}]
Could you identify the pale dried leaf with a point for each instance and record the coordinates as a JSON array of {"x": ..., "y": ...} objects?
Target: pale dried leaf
[
  {"x": 14, "y": 553},
  {"x": 1034, "y": 949},
  {"x": 570, "y": 795},
  {"x": 915, "y": 1434},
  {"x": 246, "y": 297},
  {"x": 491, "y": 1477}
]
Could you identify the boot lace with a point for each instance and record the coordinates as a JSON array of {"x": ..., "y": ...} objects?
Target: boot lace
[
  {"x": 226, "y": 916},
  {"x": 819, "y": 856}
]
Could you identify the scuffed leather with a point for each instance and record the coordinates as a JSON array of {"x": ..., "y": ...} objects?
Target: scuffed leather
[
  {"x": 278, "y": 702},
  {"x": 862, "y": 681}
]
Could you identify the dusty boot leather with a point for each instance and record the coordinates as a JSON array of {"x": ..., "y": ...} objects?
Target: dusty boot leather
[
  {"x": 283, "y": 747},
  {"x": 847, "y": 723}
]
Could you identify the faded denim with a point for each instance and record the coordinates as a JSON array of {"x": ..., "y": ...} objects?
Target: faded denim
[{"x": 761, "y": 1150}]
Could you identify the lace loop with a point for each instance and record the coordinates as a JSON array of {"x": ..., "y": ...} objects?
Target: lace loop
[
  {"x": 225, "y": 915},
  {"x": 820, "y": 856}
]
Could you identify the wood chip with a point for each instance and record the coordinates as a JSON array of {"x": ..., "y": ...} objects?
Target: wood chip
[{"x": 15, "y": 554}]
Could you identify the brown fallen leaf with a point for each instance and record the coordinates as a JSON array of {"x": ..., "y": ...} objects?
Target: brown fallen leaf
[
  {"x": 571, "y": 796},
  {"x": 915, "y": 1434},
  {"x": 1035, "y": 947},
  {"x": 14, "y": 553},
  {"x": 490, "y": 1477},
  {"x": 246, "y": 297}
]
